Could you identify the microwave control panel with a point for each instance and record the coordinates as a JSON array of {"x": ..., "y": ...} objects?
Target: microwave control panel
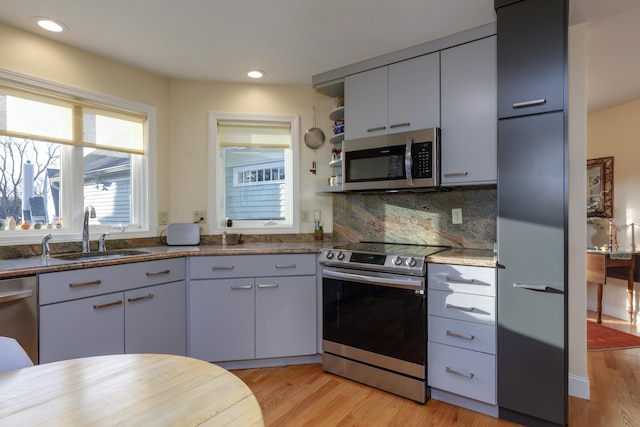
[{"x": 422, "y": 154}]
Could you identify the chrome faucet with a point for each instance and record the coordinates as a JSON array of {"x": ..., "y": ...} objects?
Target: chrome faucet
[
  {"x": 89, "y": 211},
  {"x": 102, "y": 242},
  {"x": 46, "y": 252}
]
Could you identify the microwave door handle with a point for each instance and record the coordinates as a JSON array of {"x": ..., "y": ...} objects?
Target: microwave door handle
[{"x": 407, "y": 160}]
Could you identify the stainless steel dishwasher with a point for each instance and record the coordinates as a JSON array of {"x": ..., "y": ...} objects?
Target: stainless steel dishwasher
[{"x": 19, "y": 312}]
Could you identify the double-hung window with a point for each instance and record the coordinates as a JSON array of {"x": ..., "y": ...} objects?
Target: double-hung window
[
  {"x": 253, "y": 172},
  {"x": 65, "y": 149}
]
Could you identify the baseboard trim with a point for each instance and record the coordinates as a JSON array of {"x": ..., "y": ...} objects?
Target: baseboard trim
[{"x": 579, "y": 387}]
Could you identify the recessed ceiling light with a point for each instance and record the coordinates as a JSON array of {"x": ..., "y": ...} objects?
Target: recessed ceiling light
[
  {"x": 50, "y": 24},
  {"x": 256, "y": 74}
]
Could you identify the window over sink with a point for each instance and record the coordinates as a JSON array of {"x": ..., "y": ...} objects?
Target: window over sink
[{"x": 65, "y": 148}]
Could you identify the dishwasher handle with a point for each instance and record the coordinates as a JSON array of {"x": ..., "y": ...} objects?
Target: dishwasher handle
[{"x": 14, "y": 296}]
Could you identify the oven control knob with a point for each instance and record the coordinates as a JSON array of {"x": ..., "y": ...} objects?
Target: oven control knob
[
  {"x": 340, "y": 255},
  {"x": 397, "y": 260},
  {"x": 329, "y": 255},
  {"x": 411, "y": 262}
]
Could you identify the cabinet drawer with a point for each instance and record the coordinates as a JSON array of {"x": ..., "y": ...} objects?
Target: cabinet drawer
[
  {"x": 70, "y": 285},
  {"x": 458, "y": 333},
  {"x": 464, "y": 372},
  {"x": 471, "y": 308},
  {"x": 462, "y": 278},
  {"x": 213, "y": 267}
]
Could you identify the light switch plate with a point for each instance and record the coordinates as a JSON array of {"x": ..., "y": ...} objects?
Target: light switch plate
[{"x": 456, "y": 216}]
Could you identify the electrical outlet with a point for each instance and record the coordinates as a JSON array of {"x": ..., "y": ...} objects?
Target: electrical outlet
[
  {"x": 304, "y": 217},
  {"x": 456, "y": 216},
  {"x": 200, "y": 217},
  {"x": 317, "y": 215},
  {"x": 163, "y": 218}
]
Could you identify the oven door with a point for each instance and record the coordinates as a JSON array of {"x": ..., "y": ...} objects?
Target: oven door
[{"x": 375, "y": 315}]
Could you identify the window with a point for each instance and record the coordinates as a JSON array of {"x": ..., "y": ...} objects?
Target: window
[
  {"x": 253, "y": 172},
  {"x": 52, "y": 138}
]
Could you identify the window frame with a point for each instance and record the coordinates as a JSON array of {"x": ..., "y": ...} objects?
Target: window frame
[
  {"x": 217, "y": 187},
  {"x": 143, "y": 176}
]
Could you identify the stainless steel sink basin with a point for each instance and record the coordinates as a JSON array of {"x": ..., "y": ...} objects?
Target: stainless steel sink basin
[{"x": 92, "y": 256}]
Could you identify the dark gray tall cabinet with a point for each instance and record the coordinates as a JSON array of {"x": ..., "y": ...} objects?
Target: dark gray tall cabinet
[{"x": 532, "y": 211}]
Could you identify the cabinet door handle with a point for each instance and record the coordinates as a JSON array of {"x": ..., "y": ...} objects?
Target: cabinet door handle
[
  {"x": 285, "y": 265},
  {"x": 457, "y": 307},
  {"x": 109, "y": 304},
  {"x": 82, "y": 284},
  {"x": 457, "y": 335},
  {"x": 450, "y": 174},
  {"x": 460, "y": 280},
  {"x": 400, "y": 125},
  {"x": 376, "y": 129},
  {"x": 136, "y": 299},
  {"x": 238, "y": 287},
  {"x": 459, "y": 373},
  {"x": 268, "y": 285},
  {"x": 158, "y": 273},
  {"x": 223, "y": 267},
  {"x": 532, "y": 103}
]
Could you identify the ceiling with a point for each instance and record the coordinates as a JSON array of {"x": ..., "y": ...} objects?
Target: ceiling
[{"x": 291, "y": 40}]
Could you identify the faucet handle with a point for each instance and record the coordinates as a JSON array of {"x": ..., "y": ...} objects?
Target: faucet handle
[
  {"x": 46, "y": 251},
  {"x": 102, "y": 242}
]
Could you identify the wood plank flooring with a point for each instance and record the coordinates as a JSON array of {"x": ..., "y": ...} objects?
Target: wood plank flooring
[{"x": 304, "y": 395}]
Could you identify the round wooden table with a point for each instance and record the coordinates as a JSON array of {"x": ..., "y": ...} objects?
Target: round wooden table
[{"x": 131, "y": 389}]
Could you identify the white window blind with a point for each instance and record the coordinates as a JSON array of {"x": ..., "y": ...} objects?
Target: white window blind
[
  {"x": 46, "y": 117},
  {"x": 254, "y": 134}
]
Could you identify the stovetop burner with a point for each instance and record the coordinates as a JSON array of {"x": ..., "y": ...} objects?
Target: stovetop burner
[{"x": 399, "y": 258}]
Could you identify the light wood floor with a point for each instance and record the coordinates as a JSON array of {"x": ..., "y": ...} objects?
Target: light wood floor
[{"x": 305, "y": 395}]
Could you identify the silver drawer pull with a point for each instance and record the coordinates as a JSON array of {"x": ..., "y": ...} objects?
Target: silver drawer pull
[
  {"x": 532, "y": 103},
  {"x": 268, "y": 285},
  {"x": 158, "y": 273},
  {"x": 238, "y": 287},
  {"x": 376, "y": 129},
  {"x": 223, "y": 267},
  {"x": 457, "y": 335},
  {"x": 109, "y": 304},
  {"x": 400, "y": 125},
  {"x": 457, "y": 307},
  {"x": 460, "y": 280},
  {"x": 80, "y": 285},
  {"x": 285, "y": 266},
  {"x": 450, "y": 174},
  {"x": 459, "y": 373},
  {"x": 136, "y": 299}
]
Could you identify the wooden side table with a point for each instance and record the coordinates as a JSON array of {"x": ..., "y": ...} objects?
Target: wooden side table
[{"x": 600, "y": 265}]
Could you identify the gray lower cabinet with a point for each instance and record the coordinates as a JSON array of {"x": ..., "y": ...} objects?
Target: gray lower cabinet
[
  {"x": 462, "y": 336},
  {"x": 131, "y": 308},
  {"x": 252, "y": 307}
]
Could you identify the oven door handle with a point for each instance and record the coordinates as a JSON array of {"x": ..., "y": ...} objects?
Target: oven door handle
[{"x": 406, "y": 283}]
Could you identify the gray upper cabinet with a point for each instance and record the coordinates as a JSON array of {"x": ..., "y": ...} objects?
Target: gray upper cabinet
[
  {"x": 395, "y": 98},
  {"x": 531, "y": 62},
  {"x": 469, "y": 113}
]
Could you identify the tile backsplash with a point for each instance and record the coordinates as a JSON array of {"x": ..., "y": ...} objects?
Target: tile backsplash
[{"x": 422, "y": 218}]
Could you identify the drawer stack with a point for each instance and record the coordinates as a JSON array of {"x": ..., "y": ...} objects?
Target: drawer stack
[{"x": 462, "y": 335}]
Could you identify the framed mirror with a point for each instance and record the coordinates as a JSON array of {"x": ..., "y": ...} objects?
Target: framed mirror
[{"x": 600, "y": 187}]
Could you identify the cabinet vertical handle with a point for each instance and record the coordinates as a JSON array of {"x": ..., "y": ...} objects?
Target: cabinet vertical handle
[
  {"x": 82, "y": 284},
  {"x": 136, "y": 299},
  {"x": 399, "y": 125},
  {"x": 285, "y": 265},
  {"x": 457, "y": 307},
  {"x": 238, "y": 287},
  {"x": 376, "y": 129},
  {"x": 109, "y": 304},
  {"x": 459, "y": 373},
  {"x": 268, "y": 285},
  {"x": 532, "y": 103},
  {"x": 457, "y": 335},
  {"x": 158, "y": 273}
]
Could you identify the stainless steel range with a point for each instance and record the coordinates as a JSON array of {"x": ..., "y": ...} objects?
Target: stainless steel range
[{"x": 374, "y": 315}]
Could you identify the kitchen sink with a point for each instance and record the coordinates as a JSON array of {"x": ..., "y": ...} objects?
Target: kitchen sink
[{"x": 92, "y": 256}]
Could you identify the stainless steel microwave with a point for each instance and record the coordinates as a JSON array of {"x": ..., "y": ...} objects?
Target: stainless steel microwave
[{"x": 407, "y": 160}]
